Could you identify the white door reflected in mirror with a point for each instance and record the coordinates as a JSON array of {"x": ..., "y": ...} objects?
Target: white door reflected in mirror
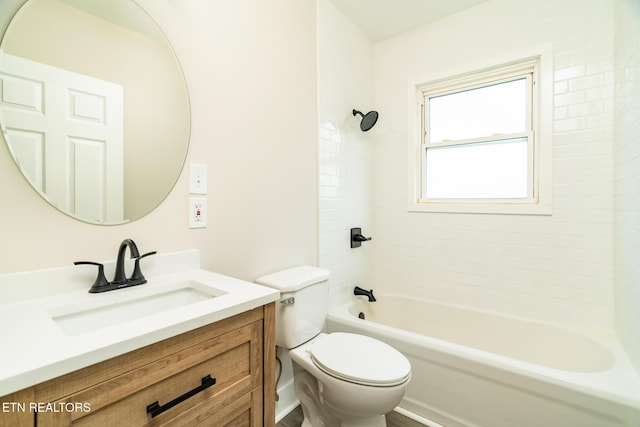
[{"x": 64, "y": 131}]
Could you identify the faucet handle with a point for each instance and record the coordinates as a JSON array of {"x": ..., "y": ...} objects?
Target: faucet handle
[
  {"x": 357, "y": 237},
  {"x": 100, "y": 284},
  {"x": 137, "y": 278}
]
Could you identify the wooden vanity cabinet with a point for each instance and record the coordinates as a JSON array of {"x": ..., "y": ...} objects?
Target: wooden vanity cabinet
[{"x": 221, "y": 374}]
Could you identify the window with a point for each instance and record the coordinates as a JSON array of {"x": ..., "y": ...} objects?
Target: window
[{"x": 479, "y": 142}]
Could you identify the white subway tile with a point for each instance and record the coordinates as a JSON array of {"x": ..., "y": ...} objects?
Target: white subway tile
[{"x": 570, "y": 72}]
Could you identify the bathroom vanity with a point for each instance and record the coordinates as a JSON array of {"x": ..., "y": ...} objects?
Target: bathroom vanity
[
  {"x": 208, "y": 360},
  {"x": 123, "y": 390}
]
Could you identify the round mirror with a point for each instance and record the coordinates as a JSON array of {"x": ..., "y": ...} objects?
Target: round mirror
[{"x": 93, "y": 106}]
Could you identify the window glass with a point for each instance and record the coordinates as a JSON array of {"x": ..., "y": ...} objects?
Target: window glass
[
  {"x": 494, "y": 170},
  {"x": 496, "y": 109}
]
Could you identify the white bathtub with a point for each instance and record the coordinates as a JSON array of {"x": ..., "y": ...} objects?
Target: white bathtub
[{"x": 472, "y": 368}]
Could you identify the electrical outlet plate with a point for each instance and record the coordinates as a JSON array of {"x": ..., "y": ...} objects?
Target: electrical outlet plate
[
  {"x": 197, "y": 178},
  {"x": 197, "y": 212}
]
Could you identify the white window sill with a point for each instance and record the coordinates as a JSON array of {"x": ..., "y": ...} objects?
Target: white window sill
[{"x": 482, "y": 208}]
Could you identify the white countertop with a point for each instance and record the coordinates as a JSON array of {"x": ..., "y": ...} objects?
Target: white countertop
[{"x": 36, "y": 349}]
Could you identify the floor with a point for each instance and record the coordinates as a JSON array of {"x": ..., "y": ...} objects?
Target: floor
[{"x": 294, "y": 419}]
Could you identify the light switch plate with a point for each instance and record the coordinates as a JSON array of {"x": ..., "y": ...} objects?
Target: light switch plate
[
  {"x": 197, "y": 212},
  {"x": 197, "y": 178}
]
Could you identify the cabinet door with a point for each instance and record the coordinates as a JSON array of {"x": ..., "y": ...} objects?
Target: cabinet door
[{"x": 174, "y": 384}]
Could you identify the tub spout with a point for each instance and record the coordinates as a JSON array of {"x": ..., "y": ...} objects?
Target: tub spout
[{"x": 368, "y": 294}]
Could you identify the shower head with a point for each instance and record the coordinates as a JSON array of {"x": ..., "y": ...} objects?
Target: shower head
[{"x": 368, "y": 120}]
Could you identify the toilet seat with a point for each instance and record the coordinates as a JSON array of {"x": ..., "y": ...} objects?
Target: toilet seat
[{"x": 360, "y": 359}]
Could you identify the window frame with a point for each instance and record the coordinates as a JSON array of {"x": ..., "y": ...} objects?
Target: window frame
[{"x": 536, "y": 67}]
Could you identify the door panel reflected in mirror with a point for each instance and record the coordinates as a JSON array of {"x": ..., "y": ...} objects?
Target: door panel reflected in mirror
[{"x": 94, "y": 107}]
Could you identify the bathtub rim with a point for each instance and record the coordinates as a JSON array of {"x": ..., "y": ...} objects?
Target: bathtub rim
[{"x": 603, "y": 384}]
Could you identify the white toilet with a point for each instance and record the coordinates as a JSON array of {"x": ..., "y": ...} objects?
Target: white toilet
[{"x": 341, "y": 379}]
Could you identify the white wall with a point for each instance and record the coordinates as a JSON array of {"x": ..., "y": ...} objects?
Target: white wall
[
  {"x": 555, "y": 268},
  {"x": 627, "y": 175},
  {"x": 345, "y": 81},
  {"x": 251, "y": 72}
]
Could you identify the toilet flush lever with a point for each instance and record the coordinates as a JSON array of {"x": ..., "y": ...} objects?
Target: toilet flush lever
[{"x": 288, "y": 301}]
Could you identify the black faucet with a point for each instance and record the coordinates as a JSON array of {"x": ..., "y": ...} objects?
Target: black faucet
[
  {"x": 137, "y": 278},
  {"x": 120, "y": 278},
  {"x": 368, "y": 294}
]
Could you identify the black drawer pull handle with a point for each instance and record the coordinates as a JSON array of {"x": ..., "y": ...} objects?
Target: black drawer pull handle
[{"x": 155, "y": 409}]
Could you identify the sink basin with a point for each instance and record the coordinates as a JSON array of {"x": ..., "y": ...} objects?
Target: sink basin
[{"x": 130, "y": 304}]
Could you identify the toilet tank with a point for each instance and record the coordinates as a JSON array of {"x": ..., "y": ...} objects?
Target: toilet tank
[{"x": 302, "y": 309}]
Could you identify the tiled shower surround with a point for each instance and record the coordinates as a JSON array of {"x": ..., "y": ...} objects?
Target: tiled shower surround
[
  {"x": 579, "y": 266},
  {"x": 346, "y": 154}
]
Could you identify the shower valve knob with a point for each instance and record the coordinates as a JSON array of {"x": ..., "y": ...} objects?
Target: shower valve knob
[
  {"x": 360, "y": 238},
  {"x": 357, "y": 238}
]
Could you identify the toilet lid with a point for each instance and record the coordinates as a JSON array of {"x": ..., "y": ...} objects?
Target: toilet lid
[{"x": 360, "y": 359}]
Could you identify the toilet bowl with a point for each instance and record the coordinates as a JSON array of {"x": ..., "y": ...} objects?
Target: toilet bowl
[
  {"x": 341, "y": 379},
  {"x": 349, "y": 380}
]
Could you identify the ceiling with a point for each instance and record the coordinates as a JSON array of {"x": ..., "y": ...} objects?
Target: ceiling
[{"x": 381, "y": 19}]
